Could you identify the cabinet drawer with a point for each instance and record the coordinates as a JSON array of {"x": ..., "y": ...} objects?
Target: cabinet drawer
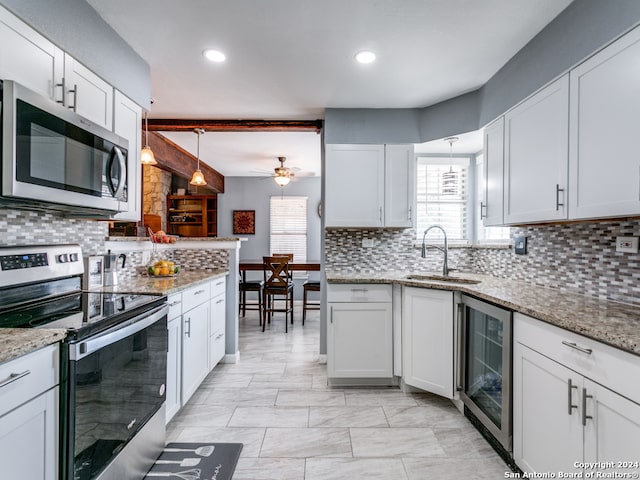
[
  {"x": 194, "y": 296},
  {"x": 218, "y": 287},
  {"x": 175, "y": 306},
  {"x": 606, "y": 365},
  {"x": 43, "y": 374},
  {"x": 359, "y": 292}
]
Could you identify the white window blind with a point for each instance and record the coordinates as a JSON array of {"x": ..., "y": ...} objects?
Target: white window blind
[
  {"x": 289, "y": 226},
  {"x": 486, "y": 234},
  {"x": 443, "y": 197}
]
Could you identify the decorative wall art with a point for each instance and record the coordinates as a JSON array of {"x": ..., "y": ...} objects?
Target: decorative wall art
[{"x": 244, "y": 222}]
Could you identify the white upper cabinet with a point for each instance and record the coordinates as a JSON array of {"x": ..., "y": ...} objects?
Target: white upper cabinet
[
  {"x": 369, "y": 186},
  {"x": 536, "y": 156},
  {"x": 491, "y": 210},
  {"x": 604, "y": 169},
  {"x": 87, "y": 94},
  {"x": 127, "y": 122},
  {"x": 28, "y": 58},
  {"x": 354, "y": 185},
  {"x": 399, "y": 186}
]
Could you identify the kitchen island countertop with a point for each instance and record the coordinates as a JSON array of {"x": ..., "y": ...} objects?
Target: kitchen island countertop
[
  {"x": 614, "y": 323},
  {"x": 15, "y": 342}
]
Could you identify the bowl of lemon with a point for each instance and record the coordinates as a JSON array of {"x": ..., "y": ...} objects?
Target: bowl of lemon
[{"x": 163, "y": 268}]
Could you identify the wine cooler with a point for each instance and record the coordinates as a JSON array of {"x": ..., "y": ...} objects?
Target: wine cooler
[{"x": 486, "y": 367}]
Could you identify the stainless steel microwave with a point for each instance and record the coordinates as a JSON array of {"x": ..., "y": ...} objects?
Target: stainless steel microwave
[{"x": 52, "y": 157}]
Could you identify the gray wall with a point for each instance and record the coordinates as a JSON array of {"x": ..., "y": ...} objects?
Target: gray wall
[
  {"x": 75, "y": 27},
  {"x": 253, "y": 193},
  {"x": 581, "y": 29}
]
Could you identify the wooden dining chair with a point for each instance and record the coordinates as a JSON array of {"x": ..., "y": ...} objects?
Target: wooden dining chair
[
  {"x": 250, "y": 286},
  {"x": 309, "y": 286},
  {"x": 277, "y": 286}
]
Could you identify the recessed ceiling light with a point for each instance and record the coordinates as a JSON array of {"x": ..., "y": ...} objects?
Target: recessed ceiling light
[
  {"x": 365, "y": 56},
  {"x": 214, "y": 55}
]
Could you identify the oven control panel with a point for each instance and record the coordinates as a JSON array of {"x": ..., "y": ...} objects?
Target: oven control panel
[
  {"x": 27, "y": 260},
  {"x": 37, "y": 263}
]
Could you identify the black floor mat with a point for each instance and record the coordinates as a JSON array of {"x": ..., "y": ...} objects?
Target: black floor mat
[{"x": 196, "y": 461}]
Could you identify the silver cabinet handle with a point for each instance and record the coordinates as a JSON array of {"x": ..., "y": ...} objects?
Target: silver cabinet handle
[
  {"x": 220, "y": 283},
  {"x": 173, "y": 304},
  {"x": 74, "y": 90},
  {"x": 220, "y": 336},
  {"x": 220, "y": 301},
  {"x": 483, "y": 208},
  {"x": 380, "y": 214},
  {"x": 584, "y": 407},
  {"x": 187, "y": 323},
  {"x": 198, "y": 292},
  {"x": 62, "y": 101},
  {"x": 331, "y": 314},
  {"x": 459, "y": 341},
  {"x": 570, "y": 405},
  {"x": 363, "y": 290},
  {"x": 409, "y": 213},
  {"x": 13, "y": 377},
  {"x": 558, "y": 190},
  {"x": 575, "y": 346}
]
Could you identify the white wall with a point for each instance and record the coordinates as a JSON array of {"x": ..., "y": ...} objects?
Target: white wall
[{"x": 253, "y": 193}]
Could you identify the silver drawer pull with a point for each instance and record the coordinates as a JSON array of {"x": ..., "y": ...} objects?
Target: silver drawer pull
[
  {"x": 574, "y": 345},
  {"x": 13, "y": 377},
  {"x": 570, "y": 405},
  {"x": 220, "y": 283},
  {"x": 198, "y": 292},
  {"x": 585, "y": 417},
  {"x": 363, "y": 290},
  {"x": 220, "y": 301},
  {"x": 220, "y": 336},
  {"x": 173, "y": 304}
]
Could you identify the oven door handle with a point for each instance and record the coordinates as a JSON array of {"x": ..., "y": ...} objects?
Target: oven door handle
[{"x": 130, "y": 327}]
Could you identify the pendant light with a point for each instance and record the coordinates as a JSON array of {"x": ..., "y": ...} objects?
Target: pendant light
[
  {"x": 146, "y": 155},
  {"x": 450, "y": 179},
  {"x": 197, "y": 178}
]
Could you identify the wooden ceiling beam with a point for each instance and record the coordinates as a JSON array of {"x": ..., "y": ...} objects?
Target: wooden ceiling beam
[
  {"x": 186, "y": 125},
  {"x": 175, "y": 159}
]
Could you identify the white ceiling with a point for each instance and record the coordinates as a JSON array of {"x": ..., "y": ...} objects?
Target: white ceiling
[{"x": 291, "y": 59}]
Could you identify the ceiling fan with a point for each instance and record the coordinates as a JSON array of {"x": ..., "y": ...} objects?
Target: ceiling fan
[{"x": 283, "y": 175}]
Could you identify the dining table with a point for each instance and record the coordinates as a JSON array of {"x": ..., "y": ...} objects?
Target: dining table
[{"x": 255, "y": 265}]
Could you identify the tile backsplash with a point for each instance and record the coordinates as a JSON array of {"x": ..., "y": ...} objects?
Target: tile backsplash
[
  {"x": 23, "y": 227},
  {"x": 577, "y": 257}
]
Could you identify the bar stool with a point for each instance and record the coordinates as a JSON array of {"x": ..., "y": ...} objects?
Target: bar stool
[
  {"x": 309, "y": 286},
  {"x": 250, "y": 286}
]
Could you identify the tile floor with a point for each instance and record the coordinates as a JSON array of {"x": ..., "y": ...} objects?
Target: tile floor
[{"x": 293, "y": 427}]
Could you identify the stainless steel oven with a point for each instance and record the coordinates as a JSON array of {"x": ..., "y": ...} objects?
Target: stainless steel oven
[
  {"x": 115, "y": 392},
  {"x": 486, "y": 368},
  {"x": 52, "y": 156},
  {"x": 113, "y": 360}
]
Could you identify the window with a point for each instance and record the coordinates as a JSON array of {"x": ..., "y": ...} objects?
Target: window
[
  {"x": 289, "y": 226},
  {"x": 486, "y": 234},
  {"x": 443, "y": 197}
]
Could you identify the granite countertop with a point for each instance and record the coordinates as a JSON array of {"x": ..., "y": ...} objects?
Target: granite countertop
[
  {"x": 613, "y": 323},
  {"x": 20, "y": 341},
  {"x": 180, "y": 239},
  {"x": 166, "y": 285}
]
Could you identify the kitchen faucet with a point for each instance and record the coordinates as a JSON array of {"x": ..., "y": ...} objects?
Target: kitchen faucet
[{"x": 445, "y": 250}]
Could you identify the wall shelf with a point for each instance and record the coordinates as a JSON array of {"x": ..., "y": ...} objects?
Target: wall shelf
[{"x": 192, "y": 215}]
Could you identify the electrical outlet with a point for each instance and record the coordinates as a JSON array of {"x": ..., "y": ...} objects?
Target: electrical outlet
[
  {"x": 367, "y": 242},
  {"x": 627, "y": 244}
]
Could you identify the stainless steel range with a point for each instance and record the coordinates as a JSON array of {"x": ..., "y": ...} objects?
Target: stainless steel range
[{"x": 113, "y": 369}]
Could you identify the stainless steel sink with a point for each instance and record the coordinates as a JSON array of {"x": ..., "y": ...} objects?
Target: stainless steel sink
[{"x": 442, "y": 278}]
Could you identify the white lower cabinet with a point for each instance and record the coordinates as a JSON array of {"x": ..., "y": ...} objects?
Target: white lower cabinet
[
  {"x": 574, "y": 401},
  {"x": 174, "y": 356},
  {"x": 217, "y": 322},
  {"x": 195, "y": 345},
  {"x": 29, "y": 416},
  {"x": 427, "y": 340},
  {"x": 359, "y": 331}
]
